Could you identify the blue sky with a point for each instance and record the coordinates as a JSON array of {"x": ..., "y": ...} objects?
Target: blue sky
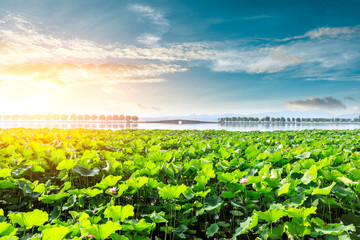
[{"x": 154, "y": 58}]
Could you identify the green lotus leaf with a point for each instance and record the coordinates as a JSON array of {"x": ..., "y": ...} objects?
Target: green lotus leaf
[
  {"x": 66, "y": 164},
  {"x": 40, "y": 188},
  {"x": 275, "y": 157},
  {"x": 202, "y": 193},
  {"x": 245, "y": 226},
  {"x": 83, "y": 171},
  {"x": 296, "y": 200},
  {"x": 153, "y": 183},
  {"x": 5, "y": 172},
  {"x": 227, "y": 194},
  {"x": 323, "y": 191},
  {"x": 56, "y": 233},
  {"x": 7, "y": 183},
  {"x": 347, "y": 181},
  {"x": 117, "y": 213},
  {"x": 304, "y": 155},
  {"x": 157, "y": 217},
  {"x": 108, "y": 181},
  {"x": 335, "y": 229},
  {"x": 301, "y": 213},
  {"x": 53, "y": 197},
  {"x": 226, "y": 177},
  {"x": 212, "y": 202},
  {"x": 296, "y": 229},
  {"x": 138, "y": 226},
  {"x": 309, "y": 175},
  {"x": 284, "y": 189},
  {"x": 6, "y": 229},
  {"x": 210, "y": 231},
  {"x": 102, "y": 231},
  {"x": 355, "y": 173},
  {"x": 93, "y": 192},
  {"x": 189, "y": 194},
  {"x": 160, "y": 156},
  {"x": 66, "y": 186},
  {"x": 172, "y": 192},
  {"x": 137, "y": 183},
  {"x": 29, "y": 219},
  {"x": 272, "y": 215},
  {"x": 35, "y": 167},
  {"x": 224, "y": 153}
]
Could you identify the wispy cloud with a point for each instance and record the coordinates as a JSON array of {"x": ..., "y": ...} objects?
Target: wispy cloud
[
  {"x": 29, "y": 55},
  {"x": 332, "y": 32},
  {"x": 327, "y": 103},
  {"x": 151, "y": 13},
  {"x": 315, "y": 58},
  {"x": 255, "y": 60},
  {"x": 71, "y": 74},
  {"x": 157, "y": 18},
  {"x": 143, "y": 107},
  {"x": 256, "y": 17},
  {"x": 148, "y": 39},
  {"x": 22, "y": 42},
  {"x": 25, "y": 47}
]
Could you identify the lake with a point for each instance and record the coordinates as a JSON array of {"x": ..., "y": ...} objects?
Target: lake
[{"x": 232, "y": 126}]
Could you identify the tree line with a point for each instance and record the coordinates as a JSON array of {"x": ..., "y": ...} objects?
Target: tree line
[
  {"x": 72, "y": 117},
  {"x": 283, "y": 119}
]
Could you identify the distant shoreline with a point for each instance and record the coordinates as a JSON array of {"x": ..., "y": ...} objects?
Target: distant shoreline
[{"x": 178, "y": 121}]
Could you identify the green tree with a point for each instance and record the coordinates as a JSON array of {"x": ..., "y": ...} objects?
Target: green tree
[
  {"x": 64, "y": 117},
  {"x": 102, "y": 117},
  {"x": 134, "y": 118},
  {"x": 55, "y": 116}
]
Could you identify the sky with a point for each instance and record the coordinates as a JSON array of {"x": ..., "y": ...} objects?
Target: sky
[{"x": 161, "y": 58}]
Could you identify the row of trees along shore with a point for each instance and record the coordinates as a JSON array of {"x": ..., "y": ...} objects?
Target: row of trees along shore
[
  {"x": 289, "y": 120},
  {"x": 71, "y": 117}
]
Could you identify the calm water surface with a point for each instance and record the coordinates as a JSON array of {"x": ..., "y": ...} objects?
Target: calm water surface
[{"x": 239, "y": 126}]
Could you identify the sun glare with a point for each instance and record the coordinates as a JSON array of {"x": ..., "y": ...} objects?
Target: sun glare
[{"x": 28, "y": 100}]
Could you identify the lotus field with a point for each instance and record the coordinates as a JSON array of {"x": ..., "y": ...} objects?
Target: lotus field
[{"x": 164, "y": 184}]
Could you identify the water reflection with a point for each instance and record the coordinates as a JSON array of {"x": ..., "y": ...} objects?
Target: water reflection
[
  {"x": 66, "y": 125},
  {"x": 230, "y": 126}
]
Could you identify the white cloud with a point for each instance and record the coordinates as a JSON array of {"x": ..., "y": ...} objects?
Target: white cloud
[
  {"x": 151, "y": 13},
  {"x": 332, "y": 32},
  {"x": 311, "y": 58},
  {"x": 148, "y": 39},
  {"x": 70, "y": 74},
  {"x": 156, "y": 17},
  {"x": 22, "y": 43},
  {"x": 144, "y": 107},
  {"x": 255, "y": 60},
  {"x": 28, "y": 55}
]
